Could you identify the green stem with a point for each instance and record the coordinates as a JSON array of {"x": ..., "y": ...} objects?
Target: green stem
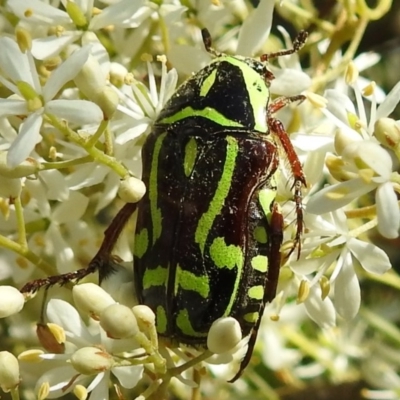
[
  {"x": 19, "y": 214},
  {"x": 97, "y": 135},
  {"x": 14, "y": 394},
  {"x": 67, "y": 164},
  {"x": 28, "y": 254},
  {"x": 95, "y": 153}
]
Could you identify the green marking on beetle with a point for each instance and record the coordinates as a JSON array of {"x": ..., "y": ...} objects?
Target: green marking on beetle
[
  {"x": 190, "y": 156},
  {"x": 141, "y": 243},
  {"x": 153, "y": 192},
  {"x": 208, "y": 113},
  {"x": 208, "y": 83},
  {"x": 161, "y": 316},
  {"x": 186, "y": 280},
  {"x": 257, "y": 90},
  {"x": 226, "y": 256},
  {"x": 260, "y": 234},
  {"x": 256, "y": 292},
  {"x": 155, "y": 277},
  {"x": 252, "y": 318},
  {"x": 266, "y": 198},
  {"x": 184, "y": 324},
  {"x": 207, "y": 219},
  {"x": 260, "y": 263}
]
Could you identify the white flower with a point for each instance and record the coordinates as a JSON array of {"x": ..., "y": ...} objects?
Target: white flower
[
  {"x": 63, "y": 378},
  {"x": 68, "y": 26},
  {"x": 365, "y": 164},
  {"x": 345, "y": 251},
  {"x": 19, "y": 75}
]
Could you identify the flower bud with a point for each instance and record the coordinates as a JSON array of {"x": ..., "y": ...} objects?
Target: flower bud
[
  {"x": 11, "y": 301},
  {"x": 10, "y": 188},
  {"x": 91, "y": 360},
  {"x": 119, "y": 321},
  {"x": 9, "y": 371},
  {"x": 387, "y": 131},
  {"x": 225, "y": 333},
  {"x": 28, "y": 167},
  {"x": 91, "y": 299},
  {"x": 108, "y": 101},
  {"x": 336, "y": 168},
  {"x": 343, "y": 139},
  {"x": 131, "y": 189},
  {"x": 51, "y": 337},
  {"x": 90, "y": 80},
  {"x": 145, "y": 317}
]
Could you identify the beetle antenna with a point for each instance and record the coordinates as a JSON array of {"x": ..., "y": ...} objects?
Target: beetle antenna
[
  {"x": 208, "y": 43},
  {"x": 298, "y": 43}
]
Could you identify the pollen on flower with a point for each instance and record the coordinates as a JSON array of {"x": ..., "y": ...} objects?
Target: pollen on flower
[
  {"x": 28, "y": 13},
  {"x": 337, "y": 194},
  {"x": 369, "y": 89},
  {"x": 366, "y": 175},
  {"x": 303, "y": 292},
  {"x": 146, "y": 57},
  {"x": 351, "y": 74},
  {"x": 44, "y": 391},
  {"x": 316, "y": 100}
]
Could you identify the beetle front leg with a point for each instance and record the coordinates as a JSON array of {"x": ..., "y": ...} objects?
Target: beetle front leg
[{"x": 279, "y": 131}]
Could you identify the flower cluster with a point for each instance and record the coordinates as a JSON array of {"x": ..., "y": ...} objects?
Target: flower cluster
[{"x": 81, "y": 84}]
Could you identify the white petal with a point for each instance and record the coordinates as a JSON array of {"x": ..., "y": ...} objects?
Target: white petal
[
  {"x": 187, "y": 59},
  {"x": 372, "y": 154},
  {"x": 366, "y": 60},
  {"x": 87, "y": 175},
  {"x": 339, "y": 104},
  {"x": 58, "y": 378},
  {"x": 50, "y": 46},
  {"x": 39, "y": 12},
  {"x": 111, "y": 185},
  {"x": 132, "y": 133},
  {"x": 13, "y": 107},
  {"x": 390, "y": 103},
  {"x": 53, "y": 182},
  {"x": 14, "y": 64},
  {"x": 290, "y": 82},
  {"x": 121, "y": 13},
  {"x": 26, "y": 140},
  {"x": 336, "y": 196},
  {"x": 72, "y": 209},
  {"x": 255, "y": 28},
  {"x": 387, "y": 211},
  {"x": 63, "y": 314},
  {"x": 11, "y": 301},
  {"x": 60, "y": 248},
  {"x": 80, "y": 112},
  {"x": 320, "y": 311},
  {"x": 347, "y": 290},
  {"x": 99, "y": 386},
  {"x": 128, "y": 376},
  {"x": 171, "y": 13},
  {"x": 65, "y": 72},
  {"x": 372, "y": 258}
]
